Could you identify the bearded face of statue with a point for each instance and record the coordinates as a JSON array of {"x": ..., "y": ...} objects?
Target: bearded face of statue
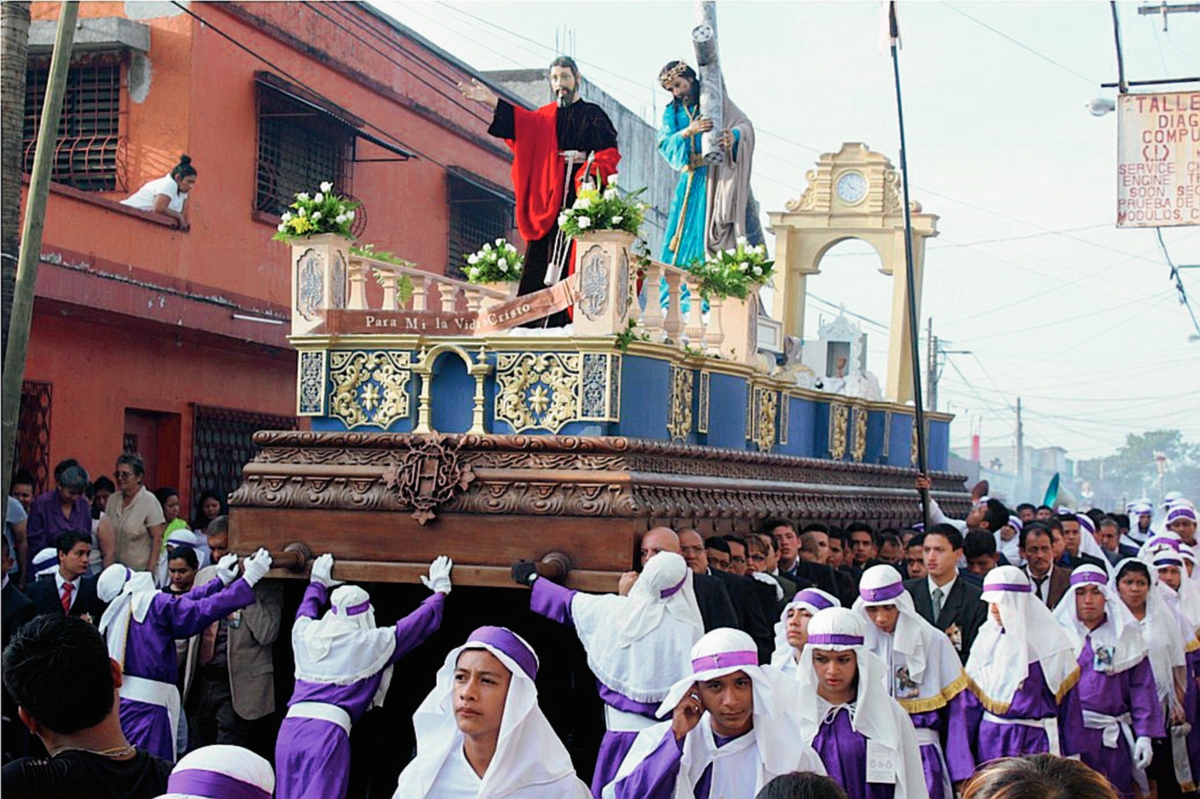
[{"x": 564, "y": 84}]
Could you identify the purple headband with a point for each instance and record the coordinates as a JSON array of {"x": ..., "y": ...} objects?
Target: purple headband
[
  {"x": 667, "y": 593},
  {"x": 1088, "y": 576},
  {"x": 354, "y": 610},
  {"x": 1168, "y": 561},
  {"x": 1163, "y": 541},
  {"x": 1020, "y": 588},
  {"x": 507, "y": 642},
  {"x": 919, "y": 527},
  {"x": 1086, "y": 522},
  {"x": 722, "y": 660},
  {"x": 833, "y": 639},
  {"x": 812, "y": 598},
  {"x": 882, "y": 593},
  {"x": 1182, "y": 512},
  {"x": 199, "y": 782}
]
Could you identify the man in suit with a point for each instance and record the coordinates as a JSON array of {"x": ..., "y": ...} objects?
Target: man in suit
[
  {"x": 796, "y": 568},
  {"x": 751, "y": 616},
  {"x": 715, "y": 606},
  {"x": 229, "y": 671},
  {"x": 1050, "y": 581},
  {"x": 949, "y": 603},
  {"x": 17, "y": 611},
  {"x": 68, "y": 590},
  {"x": 1073, "y": 533}
]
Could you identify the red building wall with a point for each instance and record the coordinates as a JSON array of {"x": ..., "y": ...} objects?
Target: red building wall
[{"x": 132, "y": 314}]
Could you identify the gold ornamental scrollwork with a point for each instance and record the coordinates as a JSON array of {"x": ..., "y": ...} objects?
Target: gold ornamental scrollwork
[
  {"x": 764, "y": 434},
  {"x": 859, "y": 450},
  {"x": 538, "y": 389},
  {"x": 808, "y": 200},
  {"x": 839, "y": 422},
  {"x": 370, "y": 388},
  {"x": 428, "y": 475},
  {"x": 679, "y": 422}
]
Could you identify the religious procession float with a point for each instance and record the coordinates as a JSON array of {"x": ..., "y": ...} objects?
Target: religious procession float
[{"x": 559, "y": 403}]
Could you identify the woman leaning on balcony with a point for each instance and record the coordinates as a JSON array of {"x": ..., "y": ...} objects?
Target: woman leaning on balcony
[{"x": 167, "y": 195}]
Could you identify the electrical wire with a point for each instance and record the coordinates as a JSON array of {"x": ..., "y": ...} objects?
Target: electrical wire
[
  {"x": 1022, "y": 45},
  {"x": 1175, "y": 276}
]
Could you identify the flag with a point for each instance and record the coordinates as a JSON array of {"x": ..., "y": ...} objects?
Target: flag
[{"x": 888, "y": 26}]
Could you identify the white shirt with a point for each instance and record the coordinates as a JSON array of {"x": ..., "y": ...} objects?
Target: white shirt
[
  {"x": 946, "y": 589},
  {"x": 1042, "y": 590},
  {"x": 60, "y": 582},
  {"x": 143, "y": 199},
  {"x": 456, "y": 778}
]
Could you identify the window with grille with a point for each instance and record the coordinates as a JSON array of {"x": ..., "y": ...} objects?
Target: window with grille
[
  {"x": 478, "y": 215},
  {"x": 89, "y": 154},
  {"x": 298, "y": 148},
  {"x": 223, "y": 443},
  {"x": 33, "y": 433}
]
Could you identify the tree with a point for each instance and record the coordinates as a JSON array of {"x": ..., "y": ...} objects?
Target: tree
[
  {"x": 1134, "y": 467},
  {"x": 14, "y": 52}
]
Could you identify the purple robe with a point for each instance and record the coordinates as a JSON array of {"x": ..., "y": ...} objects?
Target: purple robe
[
  {"x": 1032, "y": 700},
  {"x": 656, "y": 776},
  {"x": 150, "y": 653},
  {"x": 46, "y": 521},
  {"x": 1191, "y": 707},
  {"x": 312, "y": 756},
  {"x": 554, "y": 602},
  {"x": 844, "y": 753},
  {"x": 1130, "y": 691},
  {"x": 952, "y": 726}
]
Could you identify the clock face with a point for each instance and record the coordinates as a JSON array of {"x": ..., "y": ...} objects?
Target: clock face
[{"x": 852, "y": 187}]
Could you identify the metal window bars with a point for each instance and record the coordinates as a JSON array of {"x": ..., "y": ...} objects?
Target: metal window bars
[{"x": 90, "y": 151}]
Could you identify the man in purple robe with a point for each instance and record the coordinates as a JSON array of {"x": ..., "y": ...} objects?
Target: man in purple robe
[
  {"x": 343, "y": 669},
  {"x": 732, "y": 729},
  {"x": 637, "y": 645},
  {"x": 142, "y": 624},
  {"x": 1119, "y": 712}
]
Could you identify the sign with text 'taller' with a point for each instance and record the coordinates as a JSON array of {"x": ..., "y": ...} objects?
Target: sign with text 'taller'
[{"x": 1158, "y": 160}]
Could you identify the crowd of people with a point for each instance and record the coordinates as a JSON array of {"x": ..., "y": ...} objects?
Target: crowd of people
[{"x": 796, "y": 660}]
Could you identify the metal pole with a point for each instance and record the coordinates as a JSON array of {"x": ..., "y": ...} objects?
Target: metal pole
[
  {"x": 31, "y": 235},
  {"x": 1122, "y": 87},
  {"x": 1020, "y": 451},
  {"x": 910, "y": 279}
]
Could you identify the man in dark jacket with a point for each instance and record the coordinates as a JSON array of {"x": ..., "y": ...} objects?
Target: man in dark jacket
[
  {"x": 751, "y": 617},
  {"x": 68, "y": 590},
  {"x": 946, "y": 601},
  {"x": 716, "y": 609}
]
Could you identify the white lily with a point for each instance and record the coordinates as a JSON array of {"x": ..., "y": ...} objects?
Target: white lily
[
  {"x": 326, "y": 186},
  {"x": 584, "y": 222}
]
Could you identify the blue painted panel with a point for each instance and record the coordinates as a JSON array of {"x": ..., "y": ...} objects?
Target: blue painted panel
[
  {"x": 327, "y": 424},
  {"x": 803, "y": 428},
  {"x": 938, "y": 445},
  {"x": 900, "y": 441},
  {"x": 875, "y": 425},
  {"x": 645, "y": 388},
  {"x": 820, "y": 421},
  {"x": 452, "y": 395},
  {"x": 727, "y": 412}
]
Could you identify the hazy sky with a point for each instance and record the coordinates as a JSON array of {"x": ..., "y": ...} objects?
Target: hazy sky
[{"x": 1030, "y": 274}]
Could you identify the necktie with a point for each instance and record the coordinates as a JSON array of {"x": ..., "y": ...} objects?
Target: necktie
[
  {"x": 1039, "y": 585},
  {"x": 937, "y": 603},
  {"x": 66, "y": 597}
]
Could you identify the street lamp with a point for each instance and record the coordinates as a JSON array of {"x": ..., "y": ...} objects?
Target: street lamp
[{"x": 1099, "y": 106}]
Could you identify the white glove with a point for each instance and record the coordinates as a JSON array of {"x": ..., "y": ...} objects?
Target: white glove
[
  {"x": 1142, "y": 753},
  {"x": 322, "y": 571},
  {"x": 438, "y": 580},
  {"x": 256, "y": 566},
  {"x": 766, "y": 578},
  {"x": 227, "y": 568}
]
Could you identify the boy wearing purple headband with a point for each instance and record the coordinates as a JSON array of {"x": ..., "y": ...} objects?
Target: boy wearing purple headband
[
  {"x": 343, "y": 669},
  {"x": 1118, "y": 709}
]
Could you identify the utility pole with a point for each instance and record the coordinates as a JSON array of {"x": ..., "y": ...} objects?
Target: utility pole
[
  {"x": 1164, "y": 9},
  {"x": 931, "y": 367},
  {"x": 31, "y": 235},
  {"x": 1020, "y": 450}
]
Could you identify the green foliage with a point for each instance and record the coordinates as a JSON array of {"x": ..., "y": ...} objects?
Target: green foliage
[
  {"x": 322, "y": 212},
  {"x": 1134, "y": 466},
  {"x": 630, "y": 335}
]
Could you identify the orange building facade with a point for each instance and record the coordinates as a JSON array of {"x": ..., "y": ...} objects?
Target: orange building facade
[{"x": 173, "y": 343}]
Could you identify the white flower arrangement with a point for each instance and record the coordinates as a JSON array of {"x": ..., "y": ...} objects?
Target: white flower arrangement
[
  {"x": 322, "y": 212},
  {"x": 594, "y": 209},
  {"x": 730, "y": 273},
  {"x": 494, "y": 262}
]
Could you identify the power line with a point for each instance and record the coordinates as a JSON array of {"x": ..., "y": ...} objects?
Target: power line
[
  {"x": 1022, "y": 45},
  {"x": 1183, "y": 297}
]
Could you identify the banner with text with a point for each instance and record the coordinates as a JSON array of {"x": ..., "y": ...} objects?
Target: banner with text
[{"x": 1158, "y": 160}]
